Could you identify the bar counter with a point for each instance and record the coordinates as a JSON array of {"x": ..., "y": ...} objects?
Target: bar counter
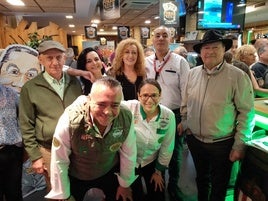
[{"x": 261, "y": 113}]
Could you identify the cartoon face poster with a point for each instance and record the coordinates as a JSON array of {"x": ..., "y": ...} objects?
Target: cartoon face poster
[{"x": 18, "y": 64}]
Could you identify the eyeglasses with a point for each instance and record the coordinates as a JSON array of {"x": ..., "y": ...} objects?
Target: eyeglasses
[{"x": 145, "y": 97}]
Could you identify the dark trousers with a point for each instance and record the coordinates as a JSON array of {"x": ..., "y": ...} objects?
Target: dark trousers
[
  {"x": 146, "y": 173},
  {"x": 108, "y": 183},
  {"x": 176, "y": 159},
  {"x": 11, "y": 159},
  {"x": 213, "y": 167}
]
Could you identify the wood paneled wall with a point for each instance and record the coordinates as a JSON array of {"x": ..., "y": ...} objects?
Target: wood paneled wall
[{"x": 20, "y": 34}]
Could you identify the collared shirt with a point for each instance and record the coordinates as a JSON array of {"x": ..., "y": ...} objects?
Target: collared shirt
[
  {"x": 155, "y": 139},
  {"x": 214, "y": 69},
  {"x": 172, "y": 77},
  {"x": 58, "y": 86},
  {"x": 9, "y": 126}
]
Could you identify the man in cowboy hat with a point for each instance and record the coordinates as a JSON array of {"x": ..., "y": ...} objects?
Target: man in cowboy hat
[{"x": 217, "y": 115}]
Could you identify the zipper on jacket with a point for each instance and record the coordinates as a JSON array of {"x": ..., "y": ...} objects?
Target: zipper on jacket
[{"x": 201, "y": 108}]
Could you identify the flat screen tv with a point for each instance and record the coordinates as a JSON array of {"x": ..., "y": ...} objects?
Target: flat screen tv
[
  {"x": 220, "y": 14},
  {"x": 182, "y": 9}
]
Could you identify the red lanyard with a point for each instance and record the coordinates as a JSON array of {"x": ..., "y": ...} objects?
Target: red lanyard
[{"x": 157, "y": 72}]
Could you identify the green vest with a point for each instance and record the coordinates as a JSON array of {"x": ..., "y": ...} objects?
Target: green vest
[{"x": 92, "y": 155}]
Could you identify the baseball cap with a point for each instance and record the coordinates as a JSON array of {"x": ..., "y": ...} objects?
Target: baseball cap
[{"x": 50, "y": 44}]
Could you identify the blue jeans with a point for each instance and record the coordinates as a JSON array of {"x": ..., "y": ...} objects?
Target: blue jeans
[{"x": 213, "y": 167}]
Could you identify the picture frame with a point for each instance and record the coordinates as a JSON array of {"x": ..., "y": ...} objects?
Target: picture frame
[{"x": 90, "y": 32}]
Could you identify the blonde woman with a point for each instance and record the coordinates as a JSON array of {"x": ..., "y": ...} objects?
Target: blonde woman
[
  {"x": 248, "y": 54},
  {"x": 129, "y": 67}
]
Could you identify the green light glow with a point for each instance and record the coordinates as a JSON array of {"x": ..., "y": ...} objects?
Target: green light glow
[
  {"x": 261, "y": 121},
  {"x": 261, "y": 94}
]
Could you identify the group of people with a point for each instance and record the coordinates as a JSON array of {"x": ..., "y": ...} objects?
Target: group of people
[
  {"x": 124, "y": 128},
  {"x": 253, "y": 59}
]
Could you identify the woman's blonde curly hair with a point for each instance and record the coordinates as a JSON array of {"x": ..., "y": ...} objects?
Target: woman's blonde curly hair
[
  {"x": 244, "y": 51},
  {"x": 118, "y": 64}
]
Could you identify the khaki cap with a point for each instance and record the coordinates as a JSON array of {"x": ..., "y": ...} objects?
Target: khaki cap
[{"x": 50, "y": 44}]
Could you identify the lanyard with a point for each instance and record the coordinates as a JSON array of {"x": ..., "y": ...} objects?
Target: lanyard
[{"x": 157, "y": 72}]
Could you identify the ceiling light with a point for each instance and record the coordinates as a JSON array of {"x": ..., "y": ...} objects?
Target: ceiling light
[
  {"x": 69, "y": 16},
  {"x": 147, "y": 21},
  {"x": 241, "y": 5},
  {"x": 16, "y": 2},
  {"x": 156, "y": 17},
  {"x": 95, "y": 21},
  {"x": 250, "y": 9},
  {"x": 101, "y": 29},
  {"x": 114, "y": 28},
  {"x": 71, "y": 25}
]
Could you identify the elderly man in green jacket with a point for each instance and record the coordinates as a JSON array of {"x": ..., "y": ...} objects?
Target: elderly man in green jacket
[{"x": 42, "y": 101}]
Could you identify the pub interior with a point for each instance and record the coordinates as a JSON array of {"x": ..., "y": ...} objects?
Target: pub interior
[{"x": 188, "y": 20}]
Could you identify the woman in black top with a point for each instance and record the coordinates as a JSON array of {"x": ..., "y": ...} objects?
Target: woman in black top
[
  {"x": 90, "y": 60},
  {"x": 128, "y": 67}
]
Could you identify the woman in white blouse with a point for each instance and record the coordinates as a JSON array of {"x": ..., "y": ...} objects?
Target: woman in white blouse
[{"x": 155, "y": 128}]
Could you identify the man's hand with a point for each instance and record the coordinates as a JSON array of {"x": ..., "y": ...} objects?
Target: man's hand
[
  {"x": 180, "y": 129},
  {"x": 38, "y": 166},
  {"x": 124, "y": 193},
  {"x": 236, "y": 155},
  {"x": 158, "y": 181}
]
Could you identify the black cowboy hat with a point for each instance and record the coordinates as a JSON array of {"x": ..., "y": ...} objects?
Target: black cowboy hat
[{"x": 212, "y": 36}]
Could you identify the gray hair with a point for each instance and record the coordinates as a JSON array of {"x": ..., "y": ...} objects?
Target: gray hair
[
  {"x": 106, "y": 81},
  {"x": 261, "y": 49}
]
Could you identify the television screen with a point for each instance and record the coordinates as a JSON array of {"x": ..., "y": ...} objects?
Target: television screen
[
  {"x": 220, "y": 14},
  {"x": 182, "y": 9}
]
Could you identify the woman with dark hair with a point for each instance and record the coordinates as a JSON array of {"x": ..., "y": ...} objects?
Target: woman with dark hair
[
  {"x": 89, "y": 60},
  {"x": 155, "y": 126}
]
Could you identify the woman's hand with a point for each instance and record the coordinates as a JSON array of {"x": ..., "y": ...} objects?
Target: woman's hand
[{"x": 158, "y": 181}]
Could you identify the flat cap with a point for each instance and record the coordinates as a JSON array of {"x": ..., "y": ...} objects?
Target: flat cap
[{"x": 50, "y": 44}]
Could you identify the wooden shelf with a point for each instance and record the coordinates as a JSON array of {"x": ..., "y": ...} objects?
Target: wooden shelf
[{"x": 188, "y": 44}]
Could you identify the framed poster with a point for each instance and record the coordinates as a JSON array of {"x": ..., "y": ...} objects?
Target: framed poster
[
  {"x": 109, "y": 9},
  {"x": 145, "y": 32},
  {"x": 123, "y": 32},
  {"x": 169, "y": 13},
  {"x": 90, "y": 32}
]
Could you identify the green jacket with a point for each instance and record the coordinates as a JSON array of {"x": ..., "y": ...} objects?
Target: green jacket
[{"x": 39, "y": 110}]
